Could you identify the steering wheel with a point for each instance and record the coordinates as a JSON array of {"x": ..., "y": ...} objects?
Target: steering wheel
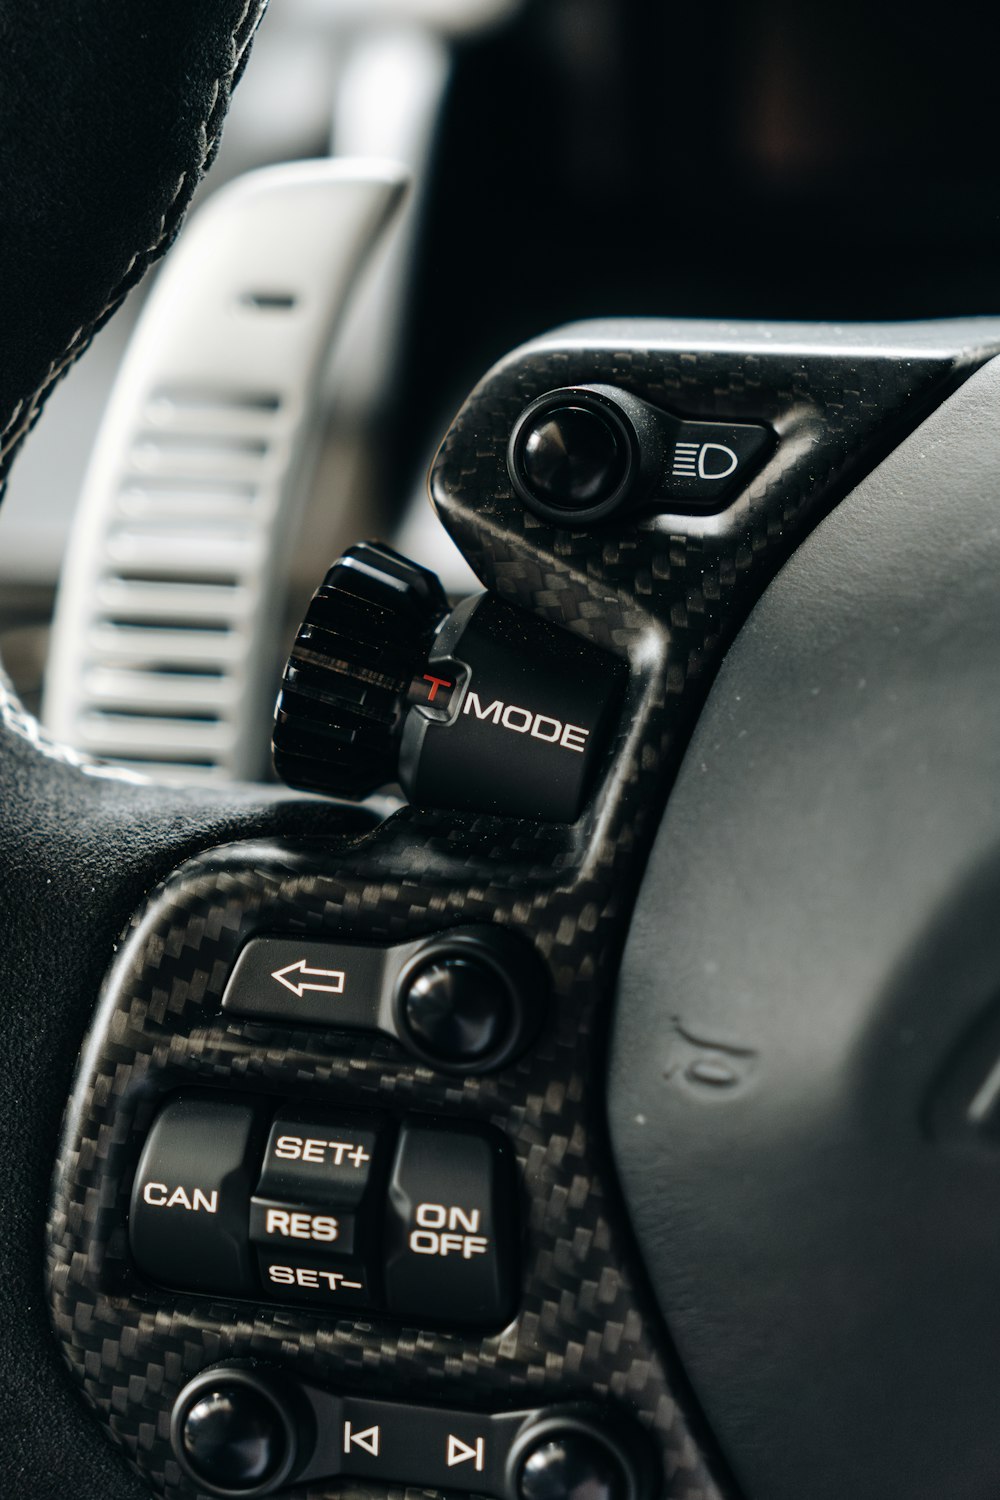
[{"x": 742, "y": 1162}]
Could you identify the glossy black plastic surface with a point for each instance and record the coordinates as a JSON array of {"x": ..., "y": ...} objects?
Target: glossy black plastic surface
[
  {"x": 457, "y": 1010},
  {"x": 572, "y": 457},
  {"x": 571, "y": 1467},
  {"x": 236, "y": 1433},
  {"x": 233, "y": 1439}
]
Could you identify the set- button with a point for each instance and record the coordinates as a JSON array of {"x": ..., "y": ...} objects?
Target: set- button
[{"x": 336, "y": 1210}]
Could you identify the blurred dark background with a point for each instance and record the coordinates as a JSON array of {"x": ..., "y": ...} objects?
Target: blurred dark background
[{"x": 766, "y": 160}]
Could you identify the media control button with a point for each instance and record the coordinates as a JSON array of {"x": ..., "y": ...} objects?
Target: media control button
[
  {"x": 429, "y": 1447},
  {"x": 191, "y": 1197},
  {"x": 567, "y": 1465},
  {"x": 234, "y": 1433},
  {"x": 448, "y": 1229},
  {"x": 230, "y": 1426},
  {"x": 321, "y": 1159}
]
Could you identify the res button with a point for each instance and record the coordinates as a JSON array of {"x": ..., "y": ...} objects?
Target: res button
[
  {"x": 449, "y": 1233},
  {"x": 284, "y": 1224}
]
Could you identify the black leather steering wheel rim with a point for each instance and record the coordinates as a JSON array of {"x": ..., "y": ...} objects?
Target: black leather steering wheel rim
[{"x": 109, "y": 116}]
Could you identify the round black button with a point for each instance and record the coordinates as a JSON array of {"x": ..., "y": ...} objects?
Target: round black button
[
  {"x": 234, "y": 1438},
  {"x": 458, "y": 1009},
  {"x": 572, "y": 1466},
  {"x": 572, "y": 457}
]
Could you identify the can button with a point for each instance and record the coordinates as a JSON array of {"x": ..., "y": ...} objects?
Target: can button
[{"x": 191, "y": 1196}]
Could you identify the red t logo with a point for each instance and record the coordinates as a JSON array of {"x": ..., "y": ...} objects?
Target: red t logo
[{"x": 435, "y": 682}]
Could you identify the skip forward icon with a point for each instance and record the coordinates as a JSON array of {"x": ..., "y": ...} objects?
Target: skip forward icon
[{"x": 463, "y": 1453}]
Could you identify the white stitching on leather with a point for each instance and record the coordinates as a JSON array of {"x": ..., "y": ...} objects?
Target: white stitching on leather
[
  {"x": 15, "y": 718},
  {"x": 11, "y": 435}
]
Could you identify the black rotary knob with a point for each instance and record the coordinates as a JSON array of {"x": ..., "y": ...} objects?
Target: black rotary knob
[
  {"x": 487, "y": 708},
  {"x": 233, "y": 1433},
  {"x": 470, "y": 1000},
  {"x": 566, "y": 1455},
  {"x": 343, "y": 696},
  {"x": 573, "y": 457},
  {"x": 582, "y": 453},
  {"x": 572, "y": 1466}
]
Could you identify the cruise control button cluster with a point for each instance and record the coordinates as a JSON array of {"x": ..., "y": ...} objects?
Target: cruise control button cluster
[{"x": 334, "y": 1209}]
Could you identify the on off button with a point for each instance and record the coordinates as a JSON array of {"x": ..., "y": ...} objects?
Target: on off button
[{"x": 448, "y": 1228}]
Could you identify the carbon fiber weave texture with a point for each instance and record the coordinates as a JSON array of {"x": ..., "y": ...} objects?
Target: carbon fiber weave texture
[{"x": 667, "y": 593}]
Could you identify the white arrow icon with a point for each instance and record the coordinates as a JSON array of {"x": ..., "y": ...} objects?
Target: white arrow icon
[
  {"x": 462, "y": 1453},
  {"x": 368, "y": 1440},
  {"x": 306, "y": 982}
]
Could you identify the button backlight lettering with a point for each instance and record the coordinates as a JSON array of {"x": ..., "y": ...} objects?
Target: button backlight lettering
[
  {"x": 317, "y": 1152},
  {"x": 158, "y": 1195},
  {"x": 298, "y": 1225},
  {"x": 313, "y": 1279},
  {"x": 447, "y": 1231},
  {"x": 525, "y": 721}
]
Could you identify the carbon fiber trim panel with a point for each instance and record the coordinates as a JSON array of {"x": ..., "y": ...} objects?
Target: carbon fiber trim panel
[{"x": 668, "y": 594}]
